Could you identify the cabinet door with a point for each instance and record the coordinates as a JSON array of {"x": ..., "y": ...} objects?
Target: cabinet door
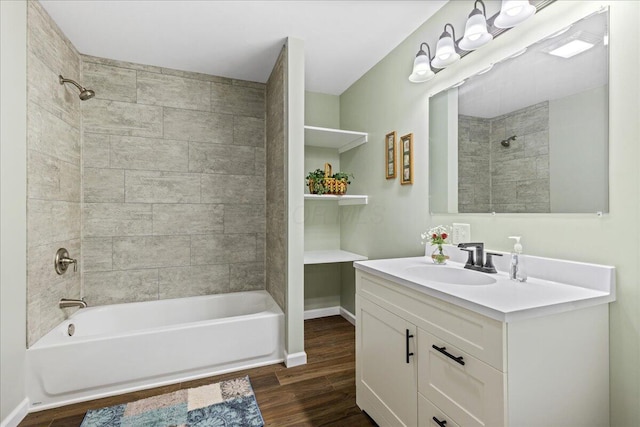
[
  {"x": 385, "y": 365},
  {"x": 465, "y": 388}
]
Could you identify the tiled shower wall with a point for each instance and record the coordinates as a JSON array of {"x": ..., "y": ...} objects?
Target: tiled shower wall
[
  {"x": 53, "y": 171},
  {"x": 173, "y": 183},
  {"x": 518, "y": 176},
  {"x": 276, "y": 175}
]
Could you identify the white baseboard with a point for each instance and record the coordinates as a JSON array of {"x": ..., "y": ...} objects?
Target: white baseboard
[
  {"x": 330, "y": 311},
  {"x": 322, "y": 312},
  {"x": 348, "y": 315},
  {"x": 295, "y": 359},
  {"x": 17, "y": 415}
]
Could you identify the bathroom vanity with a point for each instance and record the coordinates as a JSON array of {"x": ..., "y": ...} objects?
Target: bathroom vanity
[{"x": 445, "y": 346}]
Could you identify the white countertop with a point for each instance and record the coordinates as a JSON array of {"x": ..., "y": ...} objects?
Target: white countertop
[{"x": 507, "y": 300}]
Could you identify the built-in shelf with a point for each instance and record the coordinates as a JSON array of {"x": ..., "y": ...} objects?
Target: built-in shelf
[
  {"x": 347, "y": 199},
  {"x": 342, "y": 140},
  {"x": 328, "y": 257}
]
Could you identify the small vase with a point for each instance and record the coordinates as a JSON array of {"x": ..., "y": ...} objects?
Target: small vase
[{"x": 439, "y": 256}]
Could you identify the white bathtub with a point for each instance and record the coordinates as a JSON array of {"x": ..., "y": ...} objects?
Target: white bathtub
[{"x": 121, "y": 348}]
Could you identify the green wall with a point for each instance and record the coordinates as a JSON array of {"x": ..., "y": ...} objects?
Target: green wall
[{"x": 384, "y": 100}]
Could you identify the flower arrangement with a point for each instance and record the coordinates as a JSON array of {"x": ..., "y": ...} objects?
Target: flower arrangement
[{"x": 437, "y": 236}]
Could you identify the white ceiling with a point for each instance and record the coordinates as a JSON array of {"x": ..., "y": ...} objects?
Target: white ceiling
[{"x": 242, "y": 39}]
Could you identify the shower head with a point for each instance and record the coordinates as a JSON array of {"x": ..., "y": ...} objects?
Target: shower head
[
  {"x": 84, "y": 92},
  {"x": 507, "y": 142}
]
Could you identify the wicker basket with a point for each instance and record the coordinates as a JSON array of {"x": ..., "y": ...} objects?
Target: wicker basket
[{"x": 331, "y": 185}]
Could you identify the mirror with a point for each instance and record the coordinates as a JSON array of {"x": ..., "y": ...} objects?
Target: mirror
[{"x": 529, "y": 134}]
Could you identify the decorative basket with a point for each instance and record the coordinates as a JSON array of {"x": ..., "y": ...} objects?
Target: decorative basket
[{"x": 331, "y": 185}]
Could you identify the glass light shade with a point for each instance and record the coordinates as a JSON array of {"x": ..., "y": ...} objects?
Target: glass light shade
[
  {"x": 475, "y": 32},
  {"x": 420, "y": 78},
  {"x": 445, "y": 52},
  {"x": 513, "y": 12},
  {"x": 421, "y": 63}
]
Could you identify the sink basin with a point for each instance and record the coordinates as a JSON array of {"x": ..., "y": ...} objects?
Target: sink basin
[{"x": 450, "y": 275}]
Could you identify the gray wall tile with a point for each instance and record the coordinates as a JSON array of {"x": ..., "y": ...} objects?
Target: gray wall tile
[
  {"x": 103, "y": 185},
  {"x": 117, "y": 219},
  {"x": 239, "y": 100},
  {"x": 232, "y": 189},
  {"x": 49, "y": 135},
  {"x": 187, "y": 219},
  {"x": 244, "y": 218},
  {"x": 122, "y": 118},
  {"x": 179, "y": 282},
  {"x": 261, "y": 162},
  {"x": 248, "y": 131},
  {"x": 52, "y": 179},
  {"x": 198, "y": 126},
  {"x": 221, "y": 159},
  {"x": 115, "y": 287},
  {"x": 97, "y": 254},
  {"x": 47, "y": 42},
  {"x": 161, "y": 187},
  {"x": 131, "y": 253},
  {"x": 95, "y": 150},
  {"x": 276, "y": 235},
  {"x": 130, "y": 152},
  {"x": 44, "y": 89},
  {"x": 121, "y": 64},
  {"x": 247, "y": 276},
  {"x": 173, "y": 91},
  {"x": 222, "y": 248},
  {"x": 52, "y": 221},
  {"x": 112, "y": 83}
]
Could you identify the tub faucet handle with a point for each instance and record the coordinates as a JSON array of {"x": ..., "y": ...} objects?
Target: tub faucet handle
[{"x": 62, "y": 261}]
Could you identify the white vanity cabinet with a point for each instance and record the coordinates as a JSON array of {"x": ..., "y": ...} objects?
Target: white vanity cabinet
[{"x": 467, "y": 369}]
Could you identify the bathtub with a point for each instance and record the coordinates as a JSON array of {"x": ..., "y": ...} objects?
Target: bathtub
[{"x": 120, "y": 348}]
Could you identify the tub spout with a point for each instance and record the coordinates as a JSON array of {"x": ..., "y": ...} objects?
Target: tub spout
[{"x": 68, "y": 302}]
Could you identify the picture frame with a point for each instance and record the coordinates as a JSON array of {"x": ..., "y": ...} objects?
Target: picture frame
[
  {"x": 390, "y": 150},
  {"x": 406, "y": 156}
]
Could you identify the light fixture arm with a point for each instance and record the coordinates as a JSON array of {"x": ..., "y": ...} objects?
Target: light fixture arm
[
  {"x": 484, "y": 8},
  {"x": 421, "y": 51},
  {"x": 453, "y": 32}
]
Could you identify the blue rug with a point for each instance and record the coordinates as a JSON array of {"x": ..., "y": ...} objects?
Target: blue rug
[{"x": 225, "y": 404}]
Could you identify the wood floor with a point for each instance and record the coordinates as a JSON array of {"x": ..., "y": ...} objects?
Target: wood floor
[{"x": 320, "y": 393}]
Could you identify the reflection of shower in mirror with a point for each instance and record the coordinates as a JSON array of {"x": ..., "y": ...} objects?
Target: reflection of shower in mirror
[{"x": 507, "y": 142}]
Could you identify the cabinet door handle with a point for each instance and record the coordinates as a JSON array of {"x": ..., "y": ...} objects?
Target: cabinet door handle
[
  {"x": 444, "y": 351},
  {"x": 407, "y": 336},
  {"x": 442, "y": 423}
]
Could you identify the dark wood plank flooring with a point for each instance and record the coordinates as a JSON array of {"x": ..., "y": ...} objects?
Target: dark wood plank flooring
[{"x": 320, "y": 393}]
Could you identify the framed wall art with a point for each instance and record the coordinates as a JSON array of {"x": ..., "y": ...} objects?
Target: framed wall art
[
  {"x": 390, "y": 154},
  {"x": 406, "y": 155}
]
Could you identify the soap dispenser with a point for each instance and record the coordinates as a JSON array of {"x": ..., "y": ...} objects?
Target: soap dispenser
[{"x": 517, "y": 271}]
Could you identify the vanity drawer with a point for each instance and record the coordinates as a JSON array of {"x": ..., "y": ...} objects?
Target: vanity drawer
[
  {"x": 478, "y": 335},
  {"x": 429, "y": 415},
  {"x": 467, "y": 389}
]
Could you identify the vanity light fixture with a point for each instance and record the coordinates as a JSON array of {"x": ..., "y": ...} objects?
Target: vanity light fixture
[
  {"x": 513, "y": 12},
  {"x": 422, "y": 71},
  {"x": 475, "y": 31},
  {"x": 446, "y": 49}
]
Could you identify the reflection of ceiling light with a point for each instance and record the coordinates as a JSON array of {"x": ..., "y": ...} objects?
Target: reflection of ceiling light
[
  {"x": 572, "y": 48},
  {"x": 578, "y": 42}
]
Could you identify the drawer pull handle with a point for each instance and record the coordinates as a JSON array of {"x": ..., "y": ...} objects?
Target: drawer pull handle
[
  {"x": 442, "y": 423},
  {"x": 444, "y": 351},
  {"x": 407, "y": 336}
]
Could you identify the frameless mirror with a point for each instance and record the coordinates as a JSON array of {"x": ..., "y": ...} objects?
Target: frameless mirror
[{"x": 531, "y": 133}]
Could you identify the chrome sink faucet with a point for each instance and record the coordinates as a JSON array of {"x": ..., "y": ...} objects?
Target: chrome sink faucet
[{"x": 478, "y": 262}]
